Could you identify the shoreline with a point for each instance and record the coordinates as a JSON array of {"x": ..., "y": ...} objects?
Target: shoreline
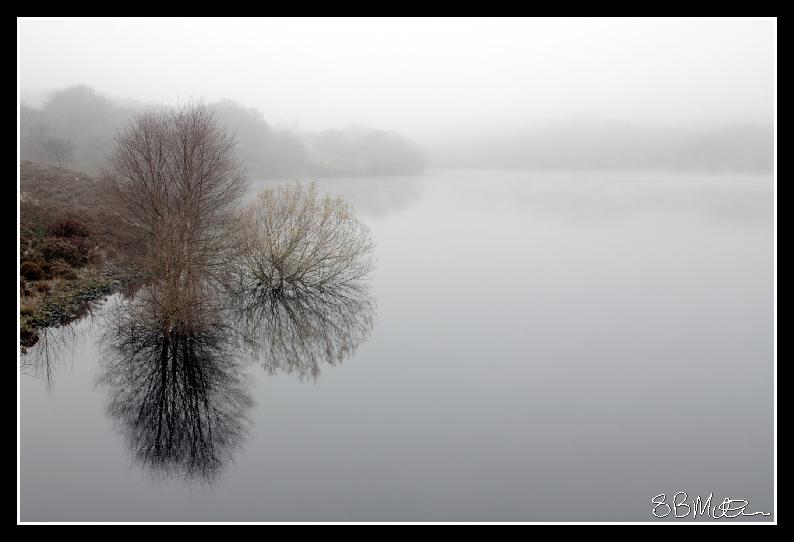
[{"x": 70, "y": 300}]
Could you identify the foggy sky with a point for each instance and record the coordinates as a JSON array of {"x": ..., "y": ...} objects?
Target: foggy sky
[{"x": 427, "y": 78}]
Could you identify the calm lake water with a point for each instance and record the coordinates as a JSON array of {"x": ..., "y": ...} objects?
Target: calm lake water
[{"x": 546, "y": 346}]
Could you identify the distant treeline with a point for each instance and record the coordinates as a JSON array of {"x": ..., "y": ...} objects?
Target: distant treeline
[
  {"x": 603, "y": 145},
  {"x": 75, "y": 128}
]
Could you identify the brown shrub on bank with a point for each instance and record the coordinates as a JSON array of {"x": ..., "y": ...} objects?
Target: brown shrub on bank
[
  {"x": 42, "y": 287},
  {"x": 54, "y": 248},
  {"x": 30, "y": 270},
  {"x": 68, "y": 227},
  {"x": 66, "y": 205},
  {"x": 63, "y": 270}
]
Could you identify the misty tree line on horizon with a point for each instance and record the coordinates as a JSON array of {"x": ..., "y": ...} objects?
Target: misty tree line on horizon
[{"x": 75, "y": 128}]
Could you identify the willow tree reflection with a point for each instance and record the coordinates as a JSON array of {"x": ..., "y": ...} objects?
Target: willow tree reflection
[
  {"x": 176, "y": 390},
  {"x": 299, "y": 290},
  {"x": 294, "y": 331}
]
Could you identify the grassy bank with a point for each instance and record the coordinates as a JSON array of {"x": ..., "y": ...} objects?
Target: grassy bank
[
  {"x": 60, "y": 301},
  {"x": 72, "y": 250}
]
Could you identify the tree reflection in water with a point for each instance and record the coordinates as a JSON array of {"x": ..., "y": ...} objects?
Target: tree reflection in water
[
  {"x": 294, "y": 330},
  {"x": 299, "y": 289},
  {"x": 176, "y": 384},
  {"x": 293, "y": 295},
  {"x": 177, "y": 392}
]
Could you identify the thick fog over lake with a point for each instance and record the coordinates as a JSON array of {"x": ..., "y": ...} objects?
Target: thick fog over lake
[
  {"x": 397, "y": 269},
  {"x": 472, "y": 92}
]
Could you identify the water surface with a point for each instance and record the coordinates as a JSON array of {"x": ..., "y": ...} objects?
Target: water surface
[{"x": 546, "y": 346}]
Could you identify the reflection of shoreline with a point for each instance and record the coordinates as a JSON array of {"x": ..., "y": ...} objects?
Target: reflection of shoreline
[
  {"x": 68, "y": 301},
  {"x": 54, "y": 343}
]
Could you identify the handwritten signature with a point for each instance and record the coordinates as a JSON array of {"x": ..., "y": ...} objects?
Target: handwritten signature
[{"x": 680, "y": 507}]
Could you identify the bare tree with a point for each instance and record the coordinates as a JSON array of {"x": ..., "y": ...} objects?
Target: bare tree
[
  {"x": 175, "y": 178},
  {"x": 295, "y": 239},
  {"x": 300, "y": 288},
  {"x": 57, "y": 150},
  {"x": 289, "y": 269}
]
